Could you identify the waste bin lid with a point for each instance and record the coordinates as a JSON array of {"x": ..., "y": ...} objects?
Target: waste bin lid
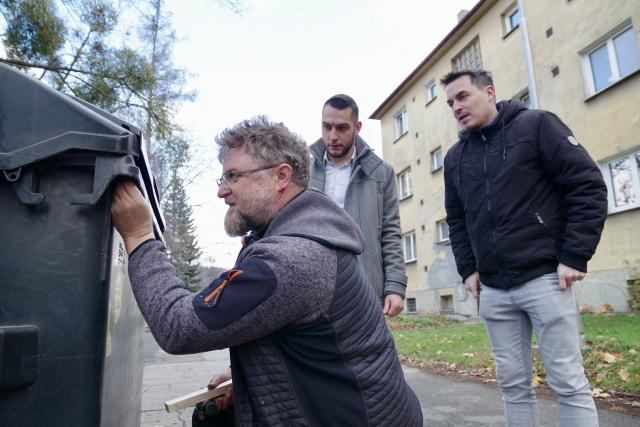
[{"x": 37, "y": 122}]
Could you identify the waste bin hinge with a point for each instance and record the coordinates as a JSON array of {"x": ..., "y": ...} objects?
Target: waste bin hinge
[{"x": 22, "y": 183}]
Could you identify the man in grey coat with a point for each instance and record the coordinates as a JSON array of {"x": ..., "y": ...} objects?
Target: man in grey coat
[{"x": 345, "y": 168}]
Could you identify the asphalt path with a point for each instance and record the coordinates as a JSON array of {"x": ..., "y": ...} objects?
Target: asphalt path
[{"x": 445, "y": 403}]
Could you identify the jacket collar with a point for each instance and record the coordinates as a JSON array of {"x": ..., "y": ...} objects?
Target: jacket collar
[{"x": 507, "y": 110}]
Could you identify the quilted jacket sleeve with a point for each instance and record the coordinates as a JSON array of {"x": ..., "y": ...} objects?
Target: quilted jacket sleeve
[
  {"x": 272, "y": 287},
  {"x": 579, "y": 179}
]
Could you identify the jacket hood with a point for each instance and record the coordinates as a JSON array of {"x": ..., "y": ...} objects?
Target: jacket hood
[
  {"x": 507, "y": 110},
  {"x": 312, "y": 214}
]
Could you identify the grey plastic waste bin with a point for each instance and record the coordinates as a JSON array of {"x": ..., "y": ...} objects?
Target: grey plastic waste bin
[{"x": 71, "y": 334}]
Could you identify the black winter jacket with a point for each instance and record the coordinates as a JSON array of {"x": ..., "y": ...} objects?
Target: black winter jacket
[{"x": 522, "y": 195}]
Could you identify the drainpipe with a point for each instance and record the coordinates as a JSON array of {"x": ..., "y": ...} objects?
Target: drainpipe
[{"x": 528, "y": 58}]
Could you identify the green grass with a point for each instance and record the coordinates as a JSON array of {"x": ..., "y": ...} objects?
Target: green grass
[
  {"x": 429, "y": 342},
  {"x": 412, "y": 321}
]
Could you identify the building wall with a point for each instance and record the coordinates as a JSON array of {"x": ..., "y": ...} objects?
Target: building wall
[{"x": 605, "y": 124}]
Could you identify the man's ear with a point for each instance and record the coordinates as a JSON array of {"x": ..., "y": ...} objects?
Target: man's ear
[
  {"x": 358, "y": 127},
  {"x": 283, "y": 175},
  {"x": 491, "y": 93}
]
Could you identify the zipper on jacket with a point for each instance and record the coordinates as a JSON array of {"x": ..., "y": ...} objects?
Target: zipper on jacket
[
  {"x": 491, "y": 218},
  {"x": 544, "y": 225}
]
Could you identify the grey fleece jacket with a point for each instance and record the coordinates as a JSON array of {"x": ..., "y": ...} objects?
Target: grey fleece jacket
[
  {"x": 372, "y": 201},
  {"x": 305, "y": 331}
]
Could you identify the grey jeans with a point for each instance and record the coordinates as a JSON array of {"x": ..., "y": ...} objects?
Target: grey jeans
[{"x": 510, "y": 315}]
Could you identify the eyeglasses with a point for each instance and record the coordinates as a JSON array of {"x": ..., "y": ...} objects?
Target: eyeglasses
[{"x": 227, "y": 178}]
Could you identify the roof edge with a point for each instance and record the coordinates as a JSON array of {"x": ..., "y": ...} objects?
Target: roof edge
[{"x": 427, "y": 59}]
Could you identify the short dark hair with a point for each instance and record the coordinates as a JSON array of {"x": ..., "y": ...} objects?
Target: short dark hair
[
  {"x": 479, "y": 77},
  {"x": 269, "y": 144},
  {"x": 340, "y": 102}
]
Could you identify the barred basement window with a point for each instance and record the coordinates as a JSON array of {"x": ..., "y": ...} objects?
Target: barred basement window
[
  {"x": 411, "y": 305},
  {"x": 446, "y": 302}
]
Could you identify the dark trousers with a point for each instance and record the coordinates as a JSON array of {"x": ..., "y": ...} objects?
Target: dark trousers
[{"x": 225, "y": 418}]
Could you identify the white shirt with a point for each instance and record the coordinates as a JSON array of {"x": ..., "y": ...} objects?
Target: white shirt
[{"x": 336, "y": 180}]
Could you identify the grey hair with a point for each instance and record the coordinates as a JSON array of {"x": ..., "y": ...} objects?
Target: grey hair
[{"x": 269, "y": 144}]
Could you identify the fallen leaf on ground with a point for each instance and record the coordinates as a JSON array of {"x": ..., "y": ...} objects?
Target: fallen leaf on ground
[
  {"x": 617, "y": 355},
  {"x": 610, "y": 358},
  {"x": 623, "y": 374},
  {"x": 536, "y": 384},
  {"x": 537, "y": 379},
  {"x": 597, "y": 392},
  {"x": 439, "y": 352},
  {"x": 636, "y": 404}
]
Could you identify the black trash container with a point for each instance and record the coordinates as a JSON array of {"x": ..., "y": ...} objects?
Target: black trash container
[{"x": 71, "y": 334}]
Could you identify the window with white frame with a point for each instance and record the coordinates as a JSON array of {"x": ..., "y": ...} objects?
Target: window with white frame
[
  {"x": 623, "y": 182},
  {"x": 471, "y": 57},
  {"x": 409, "y": 245},
  {"x": 400, "y": 123},
  {"x": 610, "y": 59},
  {"x": 436, "y": 159},
  {"x": 443, "y": 231},
  {"x": 511, "y": 19},
  {"x": 430, "y": 91},
  {"x": 404, "y": 184}
]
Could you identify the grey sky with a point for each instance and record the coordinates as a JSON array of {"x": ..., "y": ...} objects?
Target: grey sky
[{"x": 284, "y": 58}]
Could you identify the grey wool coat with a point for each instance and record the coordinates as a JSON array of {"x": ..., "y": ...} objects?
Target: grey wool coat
[
  {"x": 372, "y": 201},
  {"x": 308, "y": 341}
]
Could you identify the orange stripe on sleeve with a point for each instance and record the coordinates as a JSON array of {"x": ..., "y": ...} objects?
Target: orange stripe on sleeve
[{"x": 216, "y": 293}]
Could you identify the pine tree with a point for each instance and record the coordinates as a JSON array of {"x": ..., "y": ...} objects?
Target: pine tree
[{"x": 182, "y": 248}]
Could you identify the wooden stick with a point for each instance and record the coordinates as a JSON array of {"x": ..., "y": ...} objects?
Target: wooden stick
[{"x": 197, "y": 397}]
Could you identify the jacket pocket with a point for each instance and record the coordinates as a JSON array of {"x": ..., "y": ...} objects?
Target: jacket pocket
[{"x": 544, "y": 226}]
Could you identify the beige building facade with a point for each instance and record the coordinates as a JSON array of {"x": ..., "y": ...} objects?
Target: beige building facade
[{"x": 586, "y": 65}]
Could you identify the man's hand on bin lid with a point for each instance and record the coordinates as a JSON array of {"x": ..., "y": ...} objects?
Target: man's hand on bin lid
[{"x": 131, "y": 215}]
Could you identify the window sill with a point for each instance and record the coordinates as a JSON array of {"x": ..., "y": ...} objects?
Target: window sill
[
  {"x": 510, "y": 31},
  {"x": 623, "y": 209},
  {"x": 436, "y": 169},
  {"x": 444, "y": 242},
  {"x": 400, "y": 137},
  {"x": 411, "y": 261},
  {"x": 590, "y": 97},
  {"x": 406, "y": 197},
  {"x": 430, "y": 101}
]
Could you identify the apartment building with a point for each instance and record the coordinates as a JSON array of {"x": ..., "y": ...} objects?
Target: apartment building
[{"x": 585, "y": 66}]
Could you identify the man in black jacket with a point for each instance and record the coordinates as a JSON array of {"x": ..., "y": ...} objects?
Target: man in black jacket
[{"x": 525, "y": 207}]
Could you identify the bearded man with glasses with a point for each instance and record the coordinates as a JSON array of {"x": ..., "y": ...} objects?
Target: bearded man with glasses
[{"x": 308, "y": 341}]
